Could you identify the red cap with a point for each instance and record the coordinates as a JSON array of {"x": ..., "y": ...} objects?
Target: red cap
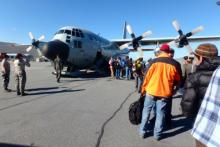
[{"x": 165, "y": 48}]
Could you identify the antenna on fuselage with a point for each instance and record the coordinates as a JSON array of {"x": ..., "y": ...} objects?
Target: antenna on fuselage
[{"x": 125, "y": 31}]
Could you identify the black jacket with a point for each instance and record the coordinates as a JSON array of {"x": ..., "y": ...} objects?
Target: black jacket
[{"x": 196, "y": 85}]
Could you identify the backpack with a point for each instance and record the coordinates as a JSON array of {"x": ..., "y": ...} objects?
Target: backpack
[{"x": 135, "y": 111}]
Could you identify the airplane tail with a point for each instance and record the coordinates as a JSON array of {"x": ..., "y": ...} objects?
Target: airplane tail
[{"x": 124, "y": 31}]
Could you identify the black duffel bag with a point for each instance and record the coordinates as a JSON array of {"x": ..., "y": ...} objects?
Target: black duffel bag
[{"x": 135, "y": 111}]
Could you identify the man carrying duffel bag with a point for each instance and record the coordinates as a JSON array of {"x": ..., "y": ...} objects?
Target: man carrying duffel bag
[{"x": 163, "y": 74}]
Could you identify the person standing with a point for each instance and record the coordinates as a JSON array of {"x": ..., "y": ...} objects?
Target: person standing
[
  {"x": 128, "y": 67},
  {"x": 111, "y": 66},
  {"x": 139, "y": 73},
  {"x": 117, "y": 68},
  {"x": 161, "y": 81},
  {"x": 20, "y": 74},
  {"x": 207, "y": 124},
  {"x": 5, "y": 71},
  {"x": 206, "y": 61}
]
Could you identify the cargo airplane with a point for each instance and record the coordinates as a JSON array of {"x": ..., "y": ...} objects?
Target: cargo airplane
[{"x": 81, "y": 49}]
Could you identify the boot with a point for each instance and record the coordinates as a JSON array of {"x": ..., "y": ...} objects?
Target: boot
[
  {"x": 18, "y": 93},
  {"x": 7, "y": 90},
  {"x": 23, "y": 94}
]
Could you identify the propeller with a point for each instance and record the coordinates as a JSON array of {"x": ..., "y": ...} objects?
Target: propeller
[
  {"x": 135, "y": 40},
  {"x": 182, "y": 39},
  {"x": 35, "y": 43}
]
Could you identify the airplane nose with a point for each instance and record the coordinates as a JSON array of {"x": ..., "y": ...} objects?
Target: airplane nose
[{"x": 54, "y": 48}]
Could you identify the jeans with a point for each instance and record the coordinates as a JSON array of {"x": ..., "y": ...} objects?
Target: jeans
[
  {"x": 117, "y": 73},
  {"x": 138, "y": 82},
  {"x": 128, "y": 72},
  {"x": 149, "y": 102}
]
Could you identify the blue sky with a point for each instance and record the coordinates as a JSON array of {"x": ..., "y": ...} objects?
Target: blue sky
[{"x": 106, "y": 17}]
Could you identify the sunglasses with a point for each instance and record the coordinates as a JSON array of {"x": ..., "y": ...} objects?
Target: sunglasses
[{"x": 188, "y": 58}]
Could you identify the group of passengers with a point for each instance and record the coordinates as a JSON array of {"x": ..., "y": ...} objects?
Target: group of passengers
[
  {"x": 197, "y": 78},
  {"x": 121, "y": 67},
  {"x": 129, "y": 69}
]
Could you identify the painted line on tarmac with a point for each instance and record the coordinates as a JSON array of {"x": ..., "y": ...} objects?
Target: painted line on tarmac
[{"x": 110, "y": 118}]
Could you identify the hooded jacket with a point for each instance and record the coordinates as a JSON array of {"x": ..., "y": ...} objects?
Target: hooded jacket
[{"x": 196, "y": 85}]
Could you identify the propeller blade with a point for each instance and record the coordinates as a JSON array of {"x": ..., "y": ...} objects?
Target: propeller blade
[
  {"x": 158, "y": 44},
  {"x": 197, "y": 30},
  {"x": 189, "y": 49},
  {"x": 29, "y": 48},
  {"x": 31, "y": 35},
  {"x": 39, "y": 52},
  {"x": 129, "y": 29},
  {"x": 146, "y": 34},
  {"x": 176, "y": 25},
  {"x": 41, "y": 38},
  {"x": 126, "y": 45},
  {"x": 172, "y": 43},
  {"x": 140, "y": 51}
]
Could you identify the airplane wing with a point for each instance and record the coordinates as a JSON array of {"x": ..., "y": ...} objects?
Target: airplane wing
[{"x": 155, "y": 41}]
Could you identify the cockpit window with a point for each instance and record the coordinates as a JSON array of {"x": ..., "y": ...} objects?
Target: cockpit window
[
  {"x": 73, "y": 32},
  {"x": 60, "y": 32},
  {"x": 68, "y": 32},
  {"x": 81, "y": 34},
  {"x": 77, "y": 33}
]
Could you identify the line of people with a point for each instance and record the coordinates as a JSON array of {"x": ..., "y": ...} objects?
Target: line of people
[
  {"x": 19, "y": 72},
  {"x": 164, "y": 76},
  {"x": 120, "y": 67},
  {"x": 128, "y": 68}
]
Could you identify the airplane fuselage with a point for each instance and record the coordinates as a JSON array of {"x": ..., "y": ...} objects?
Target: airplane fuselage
[{"x": 82, "y": 45}]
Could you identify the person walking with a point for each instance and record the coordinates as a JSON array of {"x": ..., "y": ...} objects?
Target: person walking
[
  {"x": 20, "y": 73},
  {"x": 58, "y": 66},
  {"x": 161, "y": 81},
  {"x": 5, "y": 71}
]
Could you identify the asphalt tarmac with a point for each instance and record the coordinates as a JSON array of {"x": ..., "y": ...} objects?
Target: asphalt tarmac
[{"x": 87, "y": 111}]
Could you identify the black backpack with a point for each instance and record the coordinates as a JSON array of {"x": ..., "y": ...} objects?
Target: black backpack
[{"x": 135, "y": 111}]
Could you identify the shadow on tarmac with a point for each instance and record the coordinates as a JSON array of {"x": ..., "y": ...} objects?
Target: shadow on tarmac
[
  {"x": 54, "y": 92},
  {"x": 14, "y": 145},
  {"x": 77, "y": 80},
  {"x": 92, "y": 74},
  {"x": 44, "y": 88},
  {"x": 179, "y": 126}
]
